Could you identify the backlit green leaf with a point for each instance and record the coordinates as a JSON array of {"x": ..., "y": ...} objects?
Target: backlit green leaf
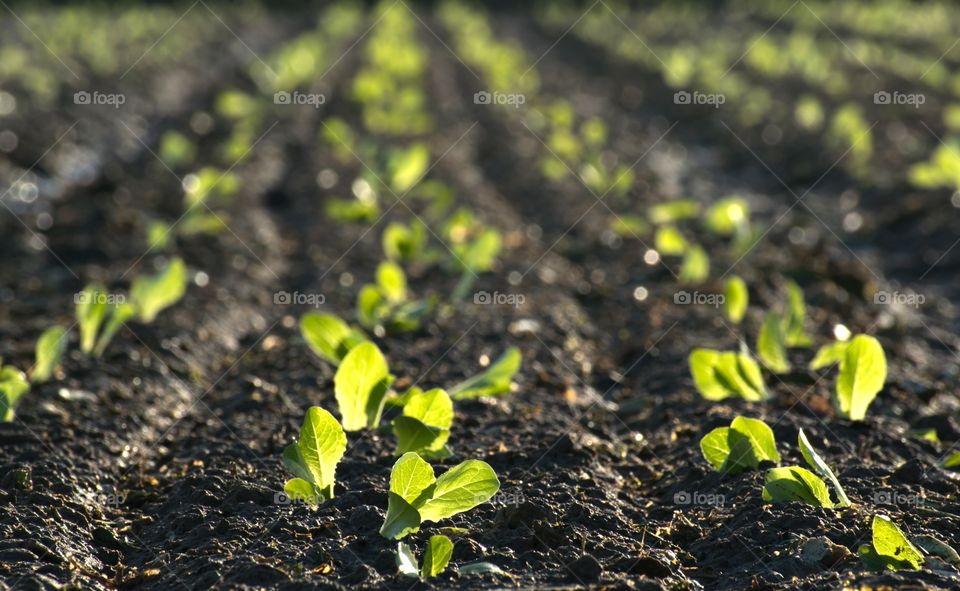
[
  {"x": 49, "y": 350},
  {"x": 783, "y": 485},
  {"x": 150, "y": 294},
  {"x": 328, "y": 336},
  {"x": 494, "y": 380},
  {"x": 821, "y": 467},
  {"x": 863, "y": 371},
  {"x": 437, "y": 556},
  {"x": 771, "y": 346},
  {"x": 360, "y": 385},
  {"x": 736, "y": 298},
  {"x": 460, "y": 489}
]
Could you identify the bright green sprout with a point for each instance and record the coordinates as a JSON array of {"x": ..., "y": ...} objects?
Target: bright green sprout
[
  {"x": 740, "y": 447},
  {"x": 724, "y": 374},
  {"x": 435, "y": 558},
  {"x": 890, "y": 548},
  {"x": 361, "y": 385},
  {"x": 493, "y": 381},
  {"x": 314, "y": 457}
]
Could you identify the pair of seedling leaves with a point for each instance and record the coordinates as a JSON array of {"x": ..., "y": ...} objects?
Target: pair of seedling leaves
[
  {"x": 747, "y": 442},
  {"x": 149, "y": 295},
  {"x": 435, "y": 560},
  {"x": 14, "y": 384},
  {"x": 386, "y": 305}
]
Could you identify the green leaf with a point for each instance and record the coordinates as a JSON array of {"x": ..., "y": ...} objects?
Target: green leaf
[
  {"x": 736, "y": 298},
  {"x": 315, "y": 455},
  {"x": 863, "y": 371},
  {"x": 91, "y": 309},
  {"x": 703, "y": 368},
  {"x": 480, "y": 254},
  {"x": 794, "y": 333},
  {"x": 727, "y": 215},
  {"x": 742, "y": 446},
  {"x": 437, "y": 556},
  {"x": 13, "y": 385},
  {"x": 674, "y": 211},
  {"x": 150, "y": 294},
  {"x": 829, "y": 355},
  {"x": 49, "y": 351},
  {"x": 695, "y": 267},
  {"x": 952, "y": 461},
  {"x": 328, "y": 336},
  {"x": 892, "y": 547},
  {"x": 371, "y": 306},
  {"x": 298, "y": 489},
  {"x": 821, "y": 468},
  {"x": 492, "y": 381},
  {"x": 392, "y": 282},
  {"x": 460, "y": 489},
  {"x": 783, "y": 485},
  {"x": 761, "y": 438},
  {"x": 410, "y": 476},
  {"x": 771, "y": 346},
  {"x": 407, "y": 561},
  {"x": 360, "y": 385},
  {"x": 408, "y": 166},
  {"x": 401, "y": 520},
  {"x": 669, "y": 241},
  {"x": 404, "y": 243},
  {"x": 425, "y": 424}
]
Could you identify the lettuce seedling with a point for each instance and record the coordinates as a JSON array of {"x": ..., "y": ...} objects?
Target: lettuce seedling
[
  {"x": 724, "y": 374},
  {"x": 674, "y": 211},
  {"x": 794, "y": 333},
  {"x": 771, "y": 344},
  {"x": 49, "y": 351},
  {"x": 740, "y": 447},
  {"x": 812, "y": 458},
  {"x": 783, "y": 485},
  {"x": 727, "y": 216},
  {"x": 736, "y": 299},
  {"x": 361, "y": 385},
  {"x": 695, "y": 267},
  {"x": 328, "y": 336},
  {"x": 384, "y": 306},
  {"x": 493, "y": 381},
  {"x": 863, "y": 371},
  {"x": 91, "y": 309},
  {"x": 669, "y": 241},
  {"x": 13, "y": 385},
  {"x": 417, "y": 496},
  {"x": 475, "y": 248},
  {"x": 435, "y": 558},
  {"x": 425, "y": 424},
  {"x": 405, "y": 243},
  {"x": 407, "y": 166},
  {"x": 890, "y": 548},
  {"x": 151, "y": 294},
  {"x": 314, "y": 457}
]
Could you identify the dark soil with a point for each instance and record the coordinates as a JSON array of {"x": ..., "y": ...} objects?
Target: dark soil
[{"x": 158, "y": 466}]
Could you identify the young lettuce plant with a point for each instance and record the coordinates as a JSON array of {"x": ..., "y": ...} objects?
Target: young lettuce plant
[
  {"x": 49, "y": 351},
  {"x": 799, "y": 484},
  {"x": 493, "y": 381},
  {"x": 724, "y": 374},
  {"x": 772, "y": 344},
  {"x": 740, "y": 447},
  {"x": 890, "y": 548},
  {"x": 385, "y": 305},
  {"x": 328, "y": 336},
  {"x": 435, "y": 558},
  {"x": 406, "y": 243},
  {"x": 474, "y": 248},
  {"x": 736, "y": 299},
  {"x": 361, "y": 385},
  {"x": 314, "y": 457},
  {"x": 13, "y": 385},
  {"x": 149, "y": 295},
  {"x": 863, "y": 371},
  {"x": 417, "y": 496},
  {"x": 425, "y": 424}
]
